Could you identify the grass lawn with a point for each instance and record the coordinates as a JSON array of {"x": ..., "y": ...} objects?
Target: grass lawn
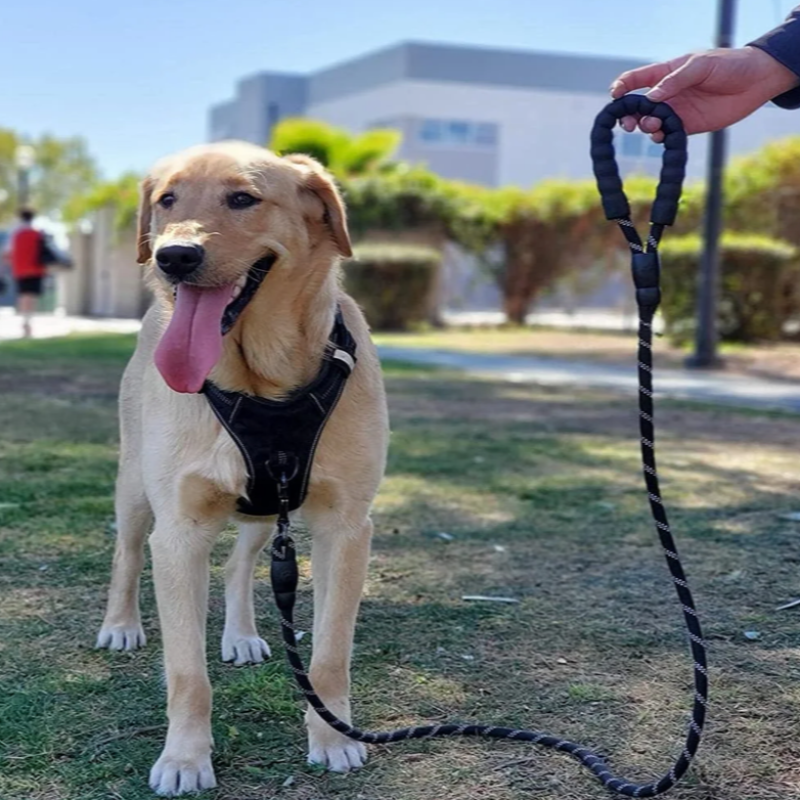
[
  {"x": 540, "y": 489},
  {"x": 779, "y": 361}
]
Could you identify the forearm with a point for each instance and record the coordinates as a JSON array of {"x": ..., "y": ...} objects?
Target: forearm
[{"x": 783, "y": 44}]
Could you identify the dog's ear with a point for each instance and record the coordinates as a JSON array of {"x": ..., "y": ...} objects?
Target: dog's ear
[
  {"x": 318, "y": 187},
  {"x": 144, "y": 249}
]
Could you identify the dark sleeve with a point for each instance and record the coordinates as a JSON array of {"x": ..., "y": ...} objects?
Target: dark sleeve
[{"x": 783, "y": 44}]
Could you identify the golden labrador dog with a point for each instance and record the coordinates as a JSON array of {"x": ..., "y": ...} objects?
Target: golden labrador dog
[{"x": 207, "y": 216}]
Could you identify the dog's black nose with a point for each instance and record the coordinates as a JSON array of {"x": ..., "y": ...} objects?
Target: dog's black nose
[{"x": 178, "y": 260}]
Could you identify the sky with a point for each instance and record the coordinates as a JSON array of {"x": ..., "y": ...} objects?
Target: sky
[{"x": 136, "y": 77}]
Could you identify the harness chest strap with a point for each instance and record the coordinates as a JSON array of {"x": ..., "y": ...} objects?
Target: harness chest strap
[{"x": 280, "y": 437}]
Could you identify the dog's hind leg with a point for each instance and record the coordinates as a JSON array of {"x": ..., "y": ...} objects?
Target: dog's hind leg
[
  {"x": 241, "y": 643},
  {"x": 339, "y": 557},
  {"x": 122, "y": 626}
]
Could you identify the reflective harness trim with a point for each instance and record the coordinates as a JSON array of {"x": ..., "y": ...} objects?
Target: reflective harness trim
[{"x": 281, "y": 436}]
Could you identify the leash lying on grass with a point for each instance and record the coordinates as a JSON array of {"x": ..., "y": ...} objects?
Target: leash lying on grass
[{"x": 646, "y": 274}]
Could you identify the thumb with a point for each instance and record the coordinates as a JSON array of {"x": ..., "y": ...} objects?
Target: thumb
[{"x": 693, "y": 72}]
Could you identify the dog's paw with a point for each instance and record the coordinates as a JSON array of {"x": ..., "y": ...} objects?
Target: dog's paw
[
  {"x": 129, "y": 636},
  {"x": 330, "y": 749},
  {"x": 172, "y": 776},
  {"x": 340, "y": 756},
  {"x": 243, "y": 649}
]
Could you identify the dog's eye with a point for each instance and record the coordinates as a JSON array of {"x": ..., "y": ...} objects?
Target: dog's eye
[
  {"x": 241, "y": 200},
  {"x": 167, "y": 200}
]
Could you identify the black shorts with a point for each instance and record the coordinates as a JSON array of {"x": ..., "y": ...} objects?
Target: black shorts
[{"x": 29, "y": 286}]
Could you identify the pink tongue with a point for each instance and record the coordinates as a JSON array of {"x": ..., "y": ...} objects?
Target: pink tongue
[{"x": 192, "y": 343}]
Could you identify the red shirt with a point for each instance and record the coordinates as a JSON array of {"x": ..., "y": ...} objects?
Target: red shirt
[{"x": 24, "y": 251}]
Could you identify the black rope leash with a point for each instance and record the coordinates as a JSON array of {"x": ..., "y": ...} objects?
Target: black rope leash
[{"x": 284, "y": 572}]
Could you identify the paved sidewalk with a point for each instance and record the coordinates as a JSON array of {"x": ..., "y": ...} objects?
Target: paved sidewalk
[
  {"x": 46, "y": 326},
  {"x": 708, "y": 387},
  {"x": 592, "y": 319}
]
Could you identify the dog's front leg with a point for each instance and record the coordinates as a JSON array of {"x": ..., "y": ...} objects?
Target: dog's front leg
[
  {"x": 339, "y": 557},
  {"x": 180, "y": 550}
]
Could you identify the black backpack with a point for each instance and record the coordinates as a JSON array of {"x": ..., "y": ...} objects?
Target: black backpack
[{"x": 50, "y": 255}]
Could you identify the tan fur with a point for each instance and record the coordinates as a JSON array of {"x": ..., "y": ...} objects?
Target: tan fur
[{"x": 179, "y": 469}]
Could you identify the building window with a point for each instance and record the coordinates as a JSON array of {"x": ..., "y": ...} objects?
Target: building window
[
  {"x": 457, "y": 133},
  {"x": 431, "y": 130}
]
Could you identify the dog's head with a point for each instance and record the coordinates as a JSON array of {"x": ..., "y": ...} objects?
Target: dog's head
[{"x": 214, "y": 221}]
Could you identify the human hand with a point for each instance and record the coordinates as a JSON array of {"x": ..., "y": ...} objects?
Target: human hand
[{"x": 709, "y": 90}]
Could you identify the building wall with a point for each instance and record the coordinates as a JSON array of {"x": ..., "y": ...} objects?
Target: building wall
[
  {"x": 539, "y": 106},
  {"x": 540, "y": 133},
  {"x": 261, "y": 101},
  {"x": 222, "y": 121},
  {"x": 457, "y": 149}
]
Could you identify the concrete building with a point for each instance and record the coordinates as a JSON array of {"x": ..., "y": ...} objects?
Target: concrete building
[{"x": 483, "y": 115}]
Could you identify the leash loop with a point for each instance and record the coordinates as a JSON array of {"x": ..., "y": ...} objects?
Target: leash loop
[
  {"x": 645, "y": 264},
  {"x": 606, "y": 170},
  {"x": 646, "y": 274}
]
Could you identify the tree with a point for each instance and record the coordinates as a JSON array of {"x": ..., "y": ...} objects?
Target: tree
[
  {"x": 121, "y": 194},
  {"x": 62, "y": 168},
  {"x": 343, "y": 153}
]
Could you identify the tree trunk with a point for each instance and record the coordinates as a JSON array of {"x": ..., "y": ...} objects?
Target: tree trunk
[
  {"x": 515, "y": 308},
  {"x": 519, "y": 279}
]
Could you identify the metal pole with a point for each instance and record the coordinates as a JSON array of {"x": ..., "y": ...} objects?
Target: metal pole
[{"x": 705, "y": 354}]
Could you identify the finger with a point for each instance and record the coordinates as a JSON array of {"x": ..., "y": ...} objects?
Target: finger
[
  {"x": 650, "y": 124},
  {"x": 629, "y": 123},
  {"x": 692, "y": 73},
  {"x": 640, "y": 78},
  {"x": 658, "y": 137}
]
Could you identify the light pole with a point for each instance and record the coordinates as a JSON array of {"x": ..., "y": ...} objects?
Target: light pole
[
  {"x": 25, "y": 157},
  {"x": 705, "y": 353}
]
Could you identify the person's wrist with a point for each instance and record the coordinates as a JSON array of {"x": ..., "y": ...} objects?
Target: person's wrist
[{"x": 776, "y": 78}]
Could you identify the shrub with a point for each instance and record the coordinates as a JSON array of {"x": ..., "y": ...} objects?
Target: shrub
[
  {"x": 762, "y": 191},
  {"x": 342, "y": 152},
  {"x": 544, "y": 232},
  {"x": 757, "y": 279},
  {"x": 392, "y": 283},
  {"x": 399, "y": 198}
]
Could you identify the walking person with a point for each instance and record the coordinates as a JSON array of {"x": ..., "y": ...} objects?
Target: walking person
[{"x": 23, "y": 252}]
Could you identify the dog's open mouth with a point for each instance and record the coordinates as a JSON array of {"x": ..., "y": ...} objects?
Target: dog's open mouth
[
  {"x": 192, "y": 343},
  {"x": 253, "y": 279}
]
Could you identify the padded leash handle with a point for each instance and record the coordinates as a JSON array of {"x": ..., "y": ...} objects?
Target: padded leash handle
[{"x": 606, "y": 171}]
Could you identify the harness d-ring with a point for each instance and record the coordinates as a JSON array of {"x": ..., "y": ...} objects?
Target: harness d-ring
[{"x": 284, "y": 570}]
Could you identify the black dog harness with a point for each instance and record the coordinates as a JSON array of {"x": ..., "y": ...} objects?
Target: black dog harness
[{"x": 278, "y": 438}]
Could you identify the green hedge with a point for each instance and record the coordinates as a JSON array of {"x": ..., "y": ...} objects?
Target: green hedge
[
  {"x": 757, "y": 294},
  {"x": 399, "y": 198},
  {"x": 393, "y": 283}
]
